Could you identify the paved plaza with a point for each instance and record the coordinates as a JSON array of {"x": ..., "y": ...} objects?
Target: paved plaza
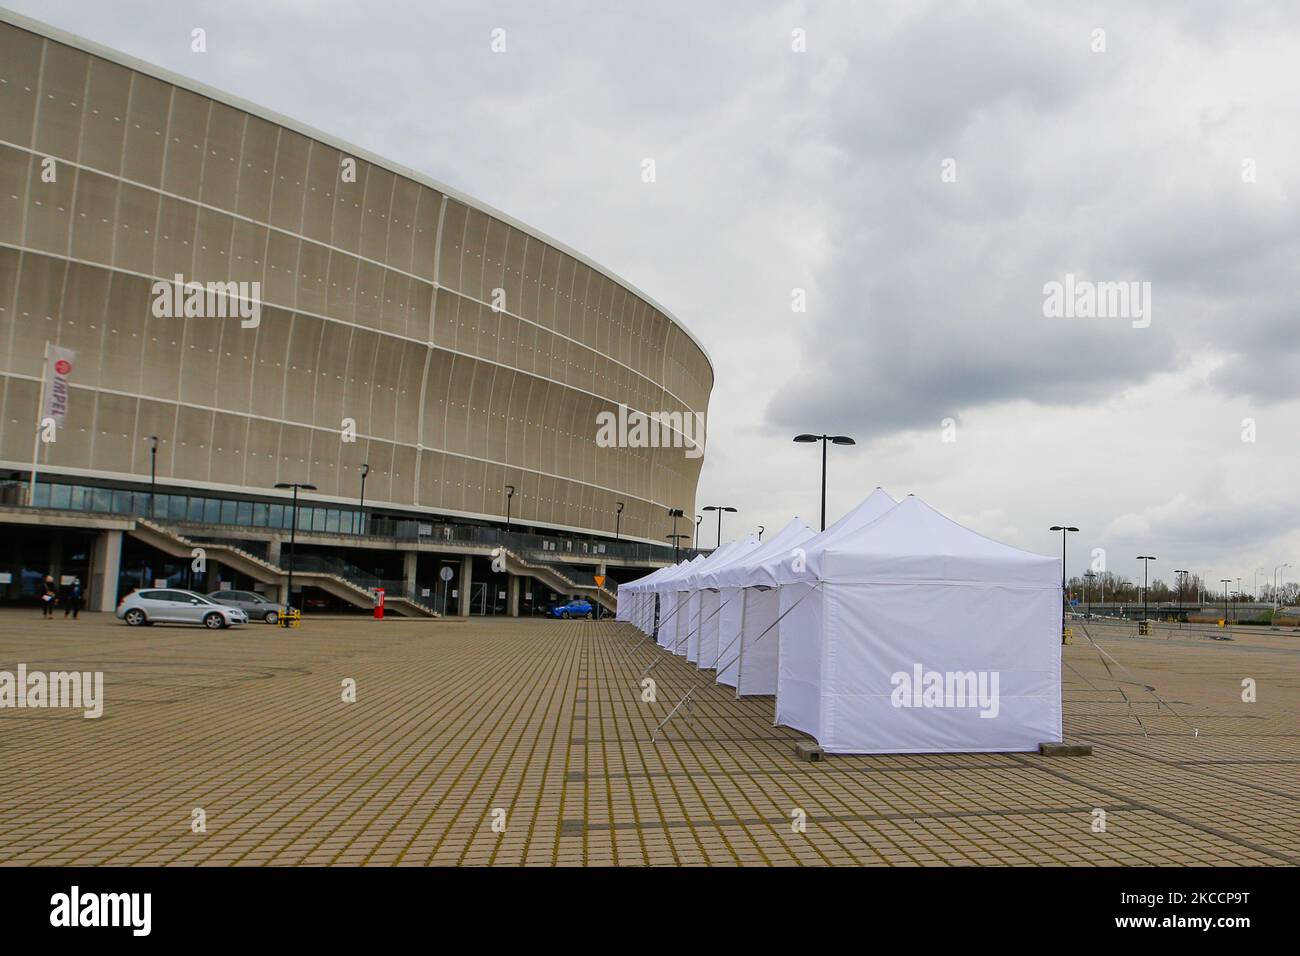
[{"x": 535, "y": 728}]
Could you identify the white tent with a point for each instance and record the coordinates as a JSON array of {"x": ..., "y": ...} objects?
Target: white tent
[
  {"x": 669, "y": 612},
  {"x": 688, "y": 628},
  {"x": 636, "y": 600},
  {"x": 705, "y": 640},
  {"x": 749, "y": 600},
  {"x": 793, "y": 605},
  {"x": 919, "y": 635}
]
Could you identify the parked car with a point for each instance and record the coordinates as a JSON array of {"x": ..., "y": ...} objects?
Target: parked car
[
  {"x": 575, "y": 608},
  {"x": 173, "y": 606},
  {"x": 257, "y": 607}
]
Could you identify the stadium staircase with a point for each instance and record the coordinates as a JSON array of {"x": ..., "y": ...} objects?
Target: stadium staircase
[
  {"x": 555, "y": 579},
  {"x": 333, "y": 576}
]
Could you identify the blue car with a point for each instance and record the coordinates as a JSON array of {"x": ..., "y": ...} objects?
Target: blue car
[{"x": 575, "y": 608}]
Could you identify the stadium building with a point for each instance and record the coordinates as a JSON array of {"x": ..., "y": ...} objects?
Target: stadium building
[{"x": 201, "y": 300}]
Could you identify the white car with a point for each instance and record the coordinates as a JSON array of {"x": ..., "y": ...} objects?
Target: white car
[{"x": 173, "y": 606}]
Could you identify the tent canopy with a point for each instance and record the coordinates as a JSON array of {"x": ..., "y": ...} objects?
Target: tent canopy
[
  {"x": 748, "y": 571},
  {"x": 914, "y": 543},
  {"x": 787, "y": 568}
]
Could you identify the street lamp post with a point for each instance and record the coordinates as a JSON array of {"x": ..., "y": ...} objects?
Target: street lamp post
[
  {"x": 676, "y": 513},
  {"x": 1146, "y": 559},
  {"x": 293, "y": 532},
  {"x": 1063, "y": 528},
  {"x": 1089, "y": 575},
  {"x": 719, "y": 509},
  {"x": 510, "y": 494},
  {"x": 698, "y": 519},
  {"x": 761, "y": 529},
  {"x": 834, "y": 440},
  {"x": 1225, "y": 582},
  {"x": 1182, "y": 583},
  {"x": 153, "y": 475},
  {"x": 1277, "y": 584},
  {"x": 365, "y": 470},
  {"x": 618, "y": 518},
  {"x": 676, "y": 539}
]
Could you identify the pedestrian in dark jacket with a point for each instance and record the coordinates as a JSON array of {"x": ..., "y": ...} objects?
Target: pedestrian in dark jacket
[
  {"x": 48, "y": 597},
  {"x": 71, "y": 598}
]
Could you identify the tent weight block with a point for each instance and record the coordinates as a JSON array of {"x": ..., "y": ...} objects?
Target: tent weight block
[
  {"x": 809, "y": 751},
  {"x": 1065, "y": 750}
]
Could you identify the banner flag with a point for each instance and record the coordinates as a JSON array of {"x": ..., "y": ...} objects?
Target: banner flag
[{"x": 57, "y": 372}]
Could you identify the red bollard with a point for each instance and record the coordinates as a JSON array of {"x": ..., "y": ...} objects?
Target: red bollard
[{"x": 379, "y": 604}]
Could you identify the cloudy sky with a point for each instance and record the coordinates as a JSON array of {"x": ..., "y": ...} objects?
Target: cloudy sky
[{"x": 921, "y": 171}]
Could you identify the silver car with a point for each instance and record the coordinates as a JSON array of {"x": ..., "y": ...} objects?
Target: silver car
[
  {"x": 257, "y": 607},
  {"x": 173, "y": 606}
]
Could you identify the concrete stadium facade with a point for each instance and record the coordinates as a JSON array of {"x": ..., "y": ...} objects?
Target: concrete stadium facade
[{"x": 468, "y": 351}]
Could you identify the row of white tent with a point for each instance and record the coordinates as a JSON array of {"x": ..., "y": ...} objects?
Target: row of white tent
[{"x": 895, "y": 630}]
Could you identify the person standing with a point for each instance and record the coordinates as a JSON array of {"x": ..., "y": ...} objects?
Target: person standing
[
  {"x": 48, "y": 597},
  {"x": 71, "y": 599}
]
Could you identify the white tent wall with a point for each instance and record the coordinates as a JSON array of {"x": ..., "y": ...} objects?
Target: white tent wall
[
  {"x": 687, "y": 605},
  {"x": 710, "y": 611},
  {"x": 644, "y": 610},
  {"x": 799, "y": 661},
  {"x": 1006, "y": 641},
  {"x": 730, "y": 620},
  {"x": 690, "y": 636},
  {"x": 756, "y": 665},
  {"x": 732, "y": 610},
  {"x": 667, "y": 618}
]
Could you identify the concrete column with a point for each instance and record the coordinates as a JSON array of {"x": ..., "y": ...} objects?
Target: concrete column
[
  {"x": 105, "y": 566},
  {"x": 410, "y": 562},
  {"x": 273, "y": 550},
  {"x": 512, "y": 595},
  {"x": 466, "y": 580},
  {"x": 212, "y": 576},
  {"x": 55, "y": 567}
]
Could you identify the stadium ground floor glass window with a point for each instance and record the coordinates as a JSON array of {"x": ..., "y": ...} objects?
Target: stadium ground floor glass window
[
  {"x": 29, "y": 554},
  {"x": 195, "y": 509}
]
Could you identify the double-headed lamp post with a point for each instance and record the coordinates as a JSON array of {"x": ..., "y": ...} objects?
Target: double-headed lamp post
[
  {"x": 1225, "y": 582},
  {"x": 1146, "y": 559},
  {"x": 1182, "y": 583},
  {"x": 676, "y": 513},
  {"x": 293, "y": 532},
  {"x": 1277, "y": 584},
  {"x": 719, "y": 509},
  {"x": 1063, "y": 528},
  {"x": 676, "y": 539},
  {"x": 1089, "y": 575},
  {"x": 834, "y": 440}
]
